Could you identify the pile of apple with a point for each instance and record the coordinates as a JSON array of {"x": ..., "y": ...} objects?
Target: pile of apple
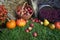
[
  {"x": 31, "y": 26},
  {"x": 24, "y": 11},
  {"x": 45, "y": 23}
]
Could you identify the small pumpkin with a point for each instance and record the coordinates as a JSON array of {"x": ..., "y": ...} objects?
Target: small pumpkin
[
  {"x": 11, "y": 24},
  {"x": 21, "y": 22}
]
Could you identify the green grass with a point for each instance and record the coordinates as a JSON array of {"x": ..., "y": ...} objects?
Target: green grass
[{"x": 44, "y": 33}]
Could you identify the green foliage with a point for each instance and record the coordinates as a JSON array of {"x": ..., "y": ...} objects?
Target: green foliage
[{"x": 44, "y": 33}]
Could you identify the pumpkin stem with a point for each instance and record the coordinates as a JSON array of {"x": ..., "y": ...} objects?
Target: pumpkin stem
[{"x": 8, "y": 19}]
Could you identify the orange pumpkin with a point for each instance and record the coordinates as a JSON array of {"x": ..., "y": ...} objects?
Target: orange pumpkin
[
  {"x": 11, "y": 24},
  {"x": 21, "y": 22}
]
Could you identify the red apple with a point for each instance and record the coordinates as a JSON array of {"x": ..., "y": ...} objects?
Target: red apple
[
  {"x": 33, "y": 20},
  {"x": 31, "y": 25},
  {"x": 57, "y": 25},
  {"x": 36, "y": 20},
  {"x": 27, "y": 30},
  {"x": 35, "y": 34},
  {"x": 30, "y": 11}
]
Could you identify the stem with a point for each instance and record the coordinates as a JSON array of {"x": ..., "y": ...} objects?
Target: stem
[{"x": 8, "y": 19}]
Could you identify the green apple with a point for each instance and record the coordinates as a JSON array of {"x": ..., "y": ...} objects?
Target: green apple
[{"x": 46, "y": 22}]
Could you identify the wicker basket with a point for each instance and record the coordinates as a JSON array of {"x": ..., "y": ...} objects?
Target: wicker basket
[{"x": 22, "y": 14}]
